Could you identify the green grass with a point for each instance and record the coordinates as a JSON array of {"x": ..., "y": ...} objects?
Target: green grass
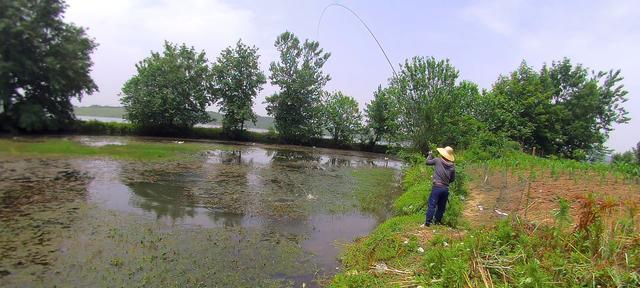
[
  {"x": 132, "y": 150},
  {"x": 512, "y": 253}
]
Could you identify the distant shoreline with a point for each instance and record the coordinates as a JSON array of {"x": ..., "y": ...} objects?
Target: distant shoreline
[{"x": 116, "y": 113}]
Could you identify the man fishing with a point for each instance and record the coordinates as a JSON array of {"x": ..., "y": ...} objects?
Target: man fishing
[{"x": 444, "y": 173}]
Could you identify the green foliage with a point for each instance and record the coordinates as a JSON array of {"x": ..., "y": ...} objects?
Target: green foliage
[
  {"x": 380, "y": 115},
  {"x": 94, "y": 127},
  {"x": 625, "y": 157},
  {"x": 356, "y": 280},
  {"x": 449, "y": 264},
  {"x": 297, "y": 106},
  {"x": 170, "y": 90},
  {"x": 132, "y": 150},
  {"x": 384, "y": 243},
  {"x": 237, "y": 81},
  {"x": 562, "y": 110},
  {"x": 341, "y": 117},
  {"x": 431, "y": 107},
  {"x": 489, "y": 145},
  {"x": 44, "y": 63}
]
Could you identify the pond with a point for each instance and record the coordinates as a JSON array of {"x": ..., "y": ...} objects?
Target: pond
[{"x": 230, "y": 216}]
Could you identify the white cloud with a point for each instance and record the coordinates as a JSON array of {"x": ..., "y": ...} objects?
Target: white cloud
[{"x": 127, "y": 31}]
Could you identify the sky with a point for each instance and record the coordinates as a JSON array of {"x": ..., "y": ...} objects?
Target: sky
[{"x": 482, "y": 39}]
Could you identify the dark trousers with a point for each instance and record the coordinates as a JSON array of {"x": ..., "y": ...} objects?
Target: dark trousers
[{"x": 437, "y": 203}]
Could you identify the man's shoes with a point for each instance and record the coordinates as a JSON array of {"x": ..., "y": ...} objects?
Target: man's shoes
[{"x": 425, "y": 225}]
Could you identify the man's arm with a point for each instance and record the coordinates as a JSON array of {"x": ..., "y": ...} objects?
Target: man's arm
[
  {"x": 430, "y": 159},
  {"x": 453, "y": 175}
]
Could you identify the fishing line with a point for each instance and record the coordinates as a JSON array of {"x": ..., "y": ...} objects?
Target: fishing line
[{"x": 363, "y": 23}]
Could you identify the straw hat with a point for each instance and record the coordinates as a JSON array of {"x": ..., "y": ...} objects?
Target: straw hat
[{"x": 447, "y": 153}]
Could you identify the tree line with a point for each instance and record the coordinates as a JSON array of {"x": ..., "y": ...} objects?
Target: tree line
[{"x": 562, "y": 109}]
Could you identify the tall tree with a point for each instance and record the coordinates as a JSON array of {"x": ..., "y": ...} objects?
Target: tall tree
[
  {"x": 170, "y": 91},
  {"x": 297, "y": 106},
  {"x": 237, "y": 81},
  {"x": 515, "y": 104},
  {"x": 563, "y": 110},
  {"x": 44, "y": 63},
  {"x": 380, "y": 115},
  {"x": 431, "y": 107},
  {"x": 342, "y": 118}
]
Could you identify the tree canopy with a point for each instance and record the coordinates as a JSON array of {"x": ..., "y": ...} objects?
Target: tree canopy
[
  {"x": 380, "y": 115},
  {"x": 342, "y": 118},
  {"x": 561, "y": 110},
  {"x": 431, "y": 107},
  {"x": 170, "y": 91},
  {"x": 297, "y": 106},
  {"x": 44, "y": 63},
  {"x": 237, "y": 81}
]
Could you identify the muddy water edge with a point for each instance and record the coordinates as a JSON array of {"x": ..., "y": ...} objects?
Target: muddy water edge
[{"x": 228, "y": 216}]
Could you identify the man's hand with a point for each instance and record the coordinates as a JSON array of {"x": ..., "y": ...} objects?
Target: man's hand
[{"x": 429, "y": 153}]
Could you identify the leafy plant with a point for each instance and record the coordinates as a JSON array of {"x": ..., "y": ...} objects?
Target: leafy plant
[
  {"x": 297, "y": 106},
  {"x": 170, "y": 91},
  {"x": 237, "y": 81},
  {"x": 342, "y": 118},
  {"x": 44, "y": 63}
]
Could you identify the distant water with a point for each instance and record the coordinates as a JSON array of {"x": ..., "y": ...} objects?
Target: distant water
[{"x": 121, "y": 120}]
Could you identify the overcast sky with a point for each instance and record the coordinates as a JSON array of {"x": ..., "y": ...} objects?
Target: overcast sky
[{"x": 483, "y": 39}]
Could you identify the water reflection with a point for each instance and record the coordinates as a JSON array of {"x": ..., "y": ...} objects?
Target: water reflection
[
  {"x": 163, "y": 200},
  {"x": 305, "y": 195}
]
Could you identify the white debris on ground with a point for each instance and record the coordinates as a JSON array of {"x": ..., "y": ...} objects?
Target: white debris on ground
[
  {"x": 380, "y": 268},
  {"x": 420, "y": 250},
  {"x": 310, "y": 197},
  {"x": 500, "y": 212},
  {"x": 480, "y": 208}
]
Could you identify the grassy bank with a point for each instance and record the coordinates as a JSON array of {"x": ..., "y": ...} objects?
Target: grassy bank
[
  {"x": 132, "y": 150},
  {"x": 589, "y": 247}
]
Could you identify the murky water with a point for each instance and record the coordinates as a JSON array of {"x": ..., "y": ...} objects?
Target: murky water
[{"x": 244, "y": 215}]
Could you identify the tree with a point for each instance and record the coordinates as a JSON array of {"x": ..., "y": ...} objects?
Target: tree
[
  {"x": 637, "y": 152},
  {"x": 342, "y": 118},
  {"x": 44, "y": 63},
  {"x": 170, "y": 91},
  {"x": 562, "y": 110},
  {"x": 297, "y": 106},
  {"x": 237, "y": 81},
  {"x": 380, "y": 115},
  {"x": 628, "y": 157},
  {"x": 514, "y": 105},
  {"x": 431, "y": 107}
]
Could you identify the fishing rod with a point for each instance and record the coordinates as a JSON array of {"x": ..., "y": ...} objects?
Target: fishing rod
[{"x": 365, "y": 26}]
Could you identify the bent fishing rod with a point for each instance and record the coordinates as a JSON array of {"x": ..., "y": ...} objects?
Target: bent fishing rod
[{"x": 365, "y": 26}]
